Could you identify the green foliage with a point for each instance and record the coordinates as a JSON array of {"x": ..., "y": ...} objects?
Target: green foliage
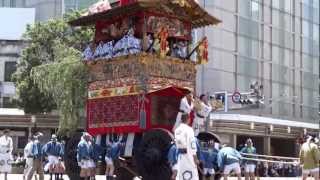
[
  {"x": 65, "y": 81},
  {"x": 53, "y": 55}
]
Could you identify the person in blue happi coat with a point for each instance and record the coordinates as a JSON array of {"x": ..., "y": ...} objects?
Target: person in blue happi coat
[
  {"x": 228, "y": 160},
  {"x": 83, "y": 156},
  {"x": 34, "y": 155},
  {"x": 54, "y": 151},
  {"x": 173, "y": 159},
  {"x": 210, "y": 160},
  {"x": 113, "y": 151}
]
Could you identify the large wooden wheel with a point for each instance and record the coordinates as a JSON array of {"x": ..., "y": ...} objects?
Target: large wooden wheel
[{"x": 151, "y": 155}]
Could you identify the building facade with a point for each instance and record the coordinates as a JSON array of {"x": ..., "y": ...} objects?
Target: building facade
[{"x": 275, "y": 43}]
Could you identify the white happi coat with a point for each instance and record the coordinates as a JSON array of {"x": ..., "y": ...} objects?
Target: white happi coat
[
  {"x": 6, "y": 159},
  {"x": 186, "y": 167},
  {"x": 28, "y": 156},
  {"x": 186, "y": 108},
  {"x": 198, "y": 121}
]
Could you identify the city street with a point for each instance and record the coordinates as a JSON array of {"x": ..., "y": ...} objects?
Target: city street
[{"x": 19, "y": 177}]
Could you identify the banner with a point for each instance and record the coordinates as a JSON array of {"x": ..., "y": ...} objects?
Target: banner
[{"x": 120, "y": 111}]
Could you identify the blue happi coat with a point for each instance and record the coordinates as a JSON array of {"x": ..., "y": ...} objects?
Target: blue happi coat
[
  {"x": 227, "y": 156},
  {"x": 96, "y": 152},
  {"x": 53, "y": 148},
  {"x": 173, "y": 155},
  {"x": 83, "y": 151},
  {"x": 36, "y": 150},
  {"x": 113, "y": 150},
  {"x": 210, "y": 158}
]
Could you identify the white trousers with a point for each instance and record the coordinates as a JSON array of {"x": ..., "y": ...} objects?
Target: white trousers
[
  {"x": 197, "y": 125},
  {"x": 52, "y": 160},
  {"x": 5, "y": 162},
  {"x": 187, "y": 170}
]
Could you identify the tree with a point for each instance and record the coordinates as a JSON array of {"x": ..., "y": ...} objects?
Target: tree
[{"x": 50, "y": 74}]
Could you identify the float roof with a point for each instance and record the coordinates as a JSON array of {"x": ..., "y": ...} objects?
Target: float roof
[{"x": 190, "y": 12}]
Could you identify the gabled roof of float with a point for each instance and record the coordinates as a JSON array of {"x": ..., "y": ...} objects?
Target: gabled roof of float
[{"x": 189, "y": 12}]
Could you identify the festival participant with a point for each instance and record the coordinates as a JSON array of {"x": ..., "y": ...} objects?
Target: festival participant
[
  {"x": 186, "y": 106},
  {"x": 187, "y": 164},
  {"x": 93, "y": 158},
  {"x": 202, "y": 112},
  {"x": 250, "y": 166},
  {"x": 309, "y": 158},
  {"x": 53, "y": 149},
  {"x": 112, "y": 153},
  {"x": 229, "y": 160},
  {"x": 83, "y": 156},
  {"x": 34, "y": 157},
  {"x": 173, "y": 159},
  {"x": 6, "y": 148},
  {"x": 210, "y": 160}
]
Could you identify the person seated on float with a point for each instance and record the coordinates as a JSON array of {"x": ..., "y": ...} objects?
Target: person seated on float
[
  {"x": 127, "y": 45},
  {"x": 88, "y": 53},
  {"x": 228, "y": 160}
]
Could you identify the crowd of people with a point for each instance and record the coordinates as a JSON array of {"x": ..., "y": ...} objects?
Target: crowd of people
[
  {"x": 129, "y": 44},
  {"x": 188, "y": 159}
]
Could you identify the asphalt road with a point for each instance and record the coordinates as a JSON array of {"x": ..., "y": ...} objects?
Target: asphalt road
[{"x": 19, "y": 177}]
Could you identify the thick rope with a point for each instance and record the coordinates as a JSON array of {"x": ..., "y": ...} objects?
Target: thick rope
[
  {"x": 274, "y": 157},
  {"x": 265, "y": 160}
]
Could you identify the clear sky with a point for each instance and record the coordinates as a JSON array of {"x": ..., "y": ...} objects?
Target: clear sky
[{"x": 13, "y": 22}]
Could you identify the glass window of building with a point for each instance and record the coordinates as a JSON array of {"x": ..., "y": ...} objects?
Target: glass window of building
[
  {"x": 250, "y": 9},
  {"x": 248, "y": 27},
  {"x": 306, "y": 28},
  {"x": 247, "y": 66},
  {"x": 307, "y": 12},
  {"x": 316, "y": 32},
  {"x": 8, "y": 3},
  {"x": 9, "y": 69},
  {"x": 248, "y": 47},
  {"x": 284, "y": 5},
  {"x": 307, "y": 63},
  {"x": 77, "y": 4}
]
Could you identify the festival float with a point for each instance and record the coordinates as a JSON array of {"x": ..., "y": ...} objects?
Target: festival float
[{"x": 139, "y": 68}]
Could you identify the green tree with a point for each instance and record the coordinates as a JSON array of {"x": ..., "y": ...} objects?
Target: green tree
[{"x": 50, "y": 74}]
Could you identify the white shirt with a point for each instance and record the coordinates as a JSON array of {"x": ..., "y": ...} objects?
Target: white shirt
[
  {"x": 28, "y": 149},
  {"x": 6, "y": 144},
  {"x": 186, "y": 167},
  {"x": 184, "y": 137},
  {"x": 205, "y": 110},
  {"x": 185, "y": 106}
]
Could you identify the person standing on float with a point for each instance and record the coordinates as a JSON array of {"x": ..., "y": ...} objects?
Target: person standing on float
[
  {"x": 186, "y": 106},
  {"x": 201, "y": 114}
]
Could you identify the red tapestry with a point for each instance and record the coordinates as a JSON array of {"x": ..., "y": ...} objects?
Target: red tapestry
[{"x": 121, "y": 111}]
